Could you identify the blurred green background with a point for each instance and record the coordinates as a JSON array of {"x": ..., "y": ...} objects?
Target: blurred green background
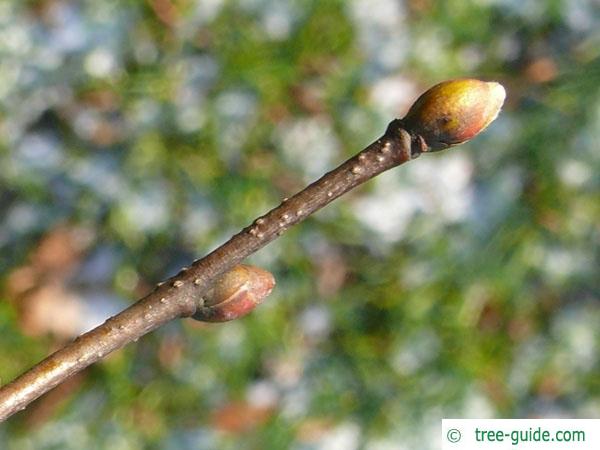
[{"x": 136, "y": 136}]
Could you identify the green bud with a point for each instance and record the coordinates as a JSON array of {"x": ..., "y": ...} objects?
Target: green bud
[{"x": 454, "y": 111}]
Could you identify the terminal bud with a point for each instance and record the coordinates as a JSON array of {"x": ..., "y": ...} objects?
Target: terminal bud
[{"x": 454, "y": 112}]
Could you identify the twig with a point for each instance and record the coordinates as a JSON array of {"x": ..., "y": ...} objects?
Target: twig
[{"x": 181, "y": 295}]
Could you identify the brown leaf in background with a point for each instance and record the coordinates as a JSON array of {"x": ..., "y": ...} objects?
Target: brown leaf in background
[
  {"x": 50, "y": 309},
  {"x": 60, "y": 249},
  {"x": 45, "y": 303},
  {"x": 541, "y": 70},
  {"x": 239, "y": 417}
]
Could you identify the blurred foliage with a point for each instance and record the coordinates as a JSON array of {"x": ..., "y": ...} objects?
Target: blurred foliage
[{"x": 136, "y": 136}]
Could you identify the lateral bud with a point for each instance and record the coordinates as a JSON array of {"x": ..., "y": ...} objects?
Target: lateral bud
[
  {"x": 453, "y": 112},
  {"x": 235, "y": 294}
]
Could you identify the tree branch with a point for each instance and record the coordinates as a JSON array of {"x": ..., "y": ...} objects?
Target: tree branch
[{"x": 182, "y": 295}]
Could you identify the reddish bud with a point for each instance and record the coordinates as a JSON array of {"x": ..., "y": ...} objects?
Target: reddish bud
[
  {"x": 235, "y": 294},
  {"x": 454, "y": 111}
]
